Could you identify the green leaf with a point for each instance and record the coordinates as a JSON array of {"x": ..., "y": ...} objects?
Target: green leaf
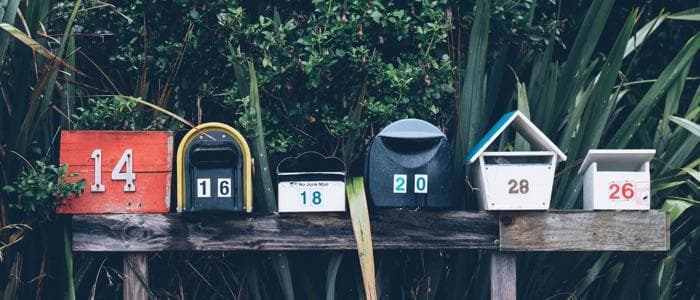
[
  {"x": 520, "y": 143},
  {"x": 34, "y": 45},
  {"x": 597, "y": 110},
  {"x": 332, "y": 274},
  {"x": 580, "y": 54},
  {"x": 664, "y": 275},
  {"x": 264, "y": 185},
  {"x": 666, "y": 185},
  {"x": 687, "y": 124},
  {"x": 641, "y": 35},
  {"x": 7, "y": 15},
  {"x": 591, "y": 275},
  {"x": 692, "y": 172},
  {"x": 471, "y": 103},
  {"x": 673, "y": 98},
  {"x": 692, "y": 14},
  {"x": 675, "y": 208},
  {"x": 610, "y": 279},
  {"x": 641, "y": 111},
  {"x": 470, "y": 109},
  {"x": 357, "y": 202}
]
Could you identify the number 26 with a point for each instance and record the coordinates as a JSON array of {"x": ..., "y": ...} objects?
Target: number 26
[{"x": 627, "y": 190}]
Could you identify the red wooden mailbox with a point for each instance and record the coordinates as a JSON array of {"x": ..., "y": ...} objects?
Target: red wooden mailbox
[{"x": 126, "y": 171}]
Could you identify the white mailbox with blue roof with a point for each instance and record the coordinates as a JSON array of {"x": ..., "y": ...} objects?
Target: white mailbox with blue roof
[{"x": 517, "y": 180}]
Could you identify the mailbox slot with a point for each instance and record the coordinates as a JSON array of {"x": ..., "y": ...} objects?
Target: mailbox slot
[
  {"x": 213, "y": 155},
  {"x": 214, "y": 170}
]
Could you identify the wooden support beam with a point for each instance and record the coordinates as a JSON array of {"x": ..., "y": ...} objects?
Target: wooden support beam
[
  {"x": 577, "y": 230},
  {"x": 135, "y": 276},
  {"x": 391, "y": 229},
  {"x": 503, "y": 274}
]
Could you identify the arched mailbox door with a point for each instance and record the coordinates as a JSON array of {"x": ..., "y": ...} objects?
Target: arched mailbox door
[
  {"x": 214, "y": 170},
  {"x": 408, "y": 165}
]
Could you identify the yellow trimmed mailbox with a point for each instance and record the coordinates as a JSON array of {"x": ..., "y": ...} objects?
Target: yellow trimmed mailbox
[
  {"x": 617, "y": 179},
  {"x": 214, "y": 170},
  {"x": 518, "y": 180}
]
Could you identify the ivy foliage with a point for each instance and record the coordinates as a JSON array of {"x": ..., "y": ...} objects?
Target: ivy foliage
[
  {"x": 318, "y": 62},
  {"x": 42, "y": 187}
]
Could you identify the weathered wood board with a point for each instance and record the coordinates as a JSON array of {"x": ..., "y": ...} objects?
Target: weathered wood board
[
  {"x": 503, "y": 276},
  {"x": 150, "y": 157},
  {"x": 135, "y": 270},
  {"x": 585, "y": 231},
  {"x": 392, "y": 229}
]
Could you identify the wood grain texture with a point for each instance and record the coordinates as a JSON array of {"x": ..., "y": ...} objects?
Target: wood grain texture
[
  {"x": 152, "y": 163},
  {"x": 391, "y": 229},
  {"x": 135, "y": 276},
  {"x": 584, "y": 231},
  {"x": 503, "y": 276}
]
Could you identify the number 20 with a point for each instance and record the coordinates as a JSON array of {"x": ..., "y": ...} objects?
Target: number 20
[{"x": 126, "y": 161}]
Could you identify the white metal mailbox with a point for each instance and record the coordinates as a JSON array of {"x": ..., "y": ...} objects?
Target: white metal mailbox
[
  {"x": 616, "y": 179},
  {"x": 311, "y": 182},
  {"x": 518, "y": 180}
]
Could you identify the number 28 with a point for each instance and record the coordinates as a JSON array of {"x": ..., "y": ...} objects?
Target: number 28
[{"x": 125, "y": 162}]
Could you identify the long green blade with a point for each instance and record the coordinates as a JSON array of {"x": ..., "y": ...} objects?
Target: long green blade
[
  {"x": 627, "y": 130},
  {"x": 357, "y": 201}
]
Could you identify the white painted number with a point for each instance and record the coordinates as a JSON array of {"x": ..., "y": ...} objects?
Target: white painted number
[
  {"x": 97, "y": 187},
  {"x": 400, "y": 183},
  {"x": 224, "y": 187},
  {"x": 203, "y": 187},
  {"x": 125, "y": 162},
  {"x": 421, "y": 184}
]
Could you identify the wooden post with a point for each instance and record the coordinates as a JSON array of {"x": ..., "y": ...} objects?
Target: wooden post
[
  {"x": 135, "y": 276},
  {"x": 503, "y": 284}
]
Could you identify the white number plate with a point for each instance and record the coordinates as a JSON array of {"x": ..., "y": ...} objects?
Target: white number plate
[{"x": 311, "y": 196}]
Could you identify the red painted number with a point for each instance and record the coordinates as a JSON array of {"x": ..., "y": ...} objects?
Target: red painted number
[
  {"x": 615, "y": 191},
  {"x": 627, "y": 191}
]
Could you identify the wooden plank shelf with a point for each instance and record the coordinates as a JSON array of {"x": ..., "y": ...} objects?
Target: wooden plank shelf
[{"x": 573, "y": 230}]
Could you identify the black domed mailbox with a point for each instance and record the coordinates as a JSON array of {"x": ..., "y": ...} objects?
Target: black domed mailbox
[
  {"x": 408, "y": 165},
  {"x": 311, "y": 182},
  {"x": 214, "y": 170}
]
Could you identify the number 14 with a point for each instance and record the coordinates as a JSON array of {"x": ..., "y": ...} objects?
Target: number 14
[{"x": 125, "y": 162}]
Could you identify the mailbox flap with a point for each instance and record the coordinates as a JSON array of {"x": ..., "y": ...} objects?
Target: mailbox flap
[
  {"x": 411, "y": 129},
  {"x": 617, "y": 159},
  {"x": 311, "y": 163},
  {"x": 215, "y": 153}
]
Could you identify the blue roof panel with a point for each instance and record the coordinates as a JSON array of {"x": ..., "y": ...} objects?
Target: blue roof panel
[{"x": 491, "y": 135}]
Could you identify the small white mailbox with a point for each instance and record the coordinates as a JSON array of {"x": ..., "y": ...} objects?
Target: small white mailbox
[
  {"x": 519, "y": 180},
  {"x": 616, "y": 179},
  {"x": 311, "y": 182}
]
